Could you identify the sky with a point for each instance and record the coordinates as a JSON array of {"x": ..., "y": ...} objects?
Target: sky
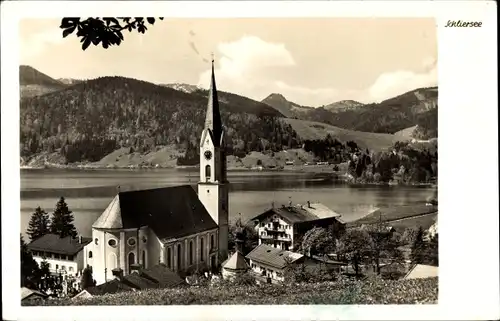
[{"x": 310, "y": 61}]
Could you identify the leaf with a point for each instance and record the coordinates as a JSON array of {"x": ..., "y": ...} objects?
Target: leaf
[
  {"x": 111, "y": 20},
  {"x": 151, "y": 20},
  {"x": 69, "y": 22},
  {"x": 86, "y": 43},
  {"x": 68, "y": 31}
]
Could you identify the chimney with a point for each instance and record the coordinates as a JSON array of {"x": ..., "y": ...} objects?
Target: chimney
[
  {"x": 118, "y": 273},
  {"x": 308, "y": 204}
]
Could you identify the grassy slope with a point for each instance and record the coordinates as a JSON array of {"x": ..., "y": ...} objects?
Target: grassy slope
[
  {"x": 375, "y": 291},
  {"x": 392, "y": 213},
  {"x": 314, "y": 130}
]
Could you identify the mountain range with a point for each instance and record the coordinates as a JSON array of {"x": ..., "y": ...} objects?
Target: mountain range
[{"x": 109, "y": 113}]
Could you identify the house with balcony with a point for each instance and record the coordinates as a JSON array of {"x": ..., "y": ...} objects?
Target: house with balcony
[
  {"x": 65, "y": 256},
  {"x": 283, "y": 227}
]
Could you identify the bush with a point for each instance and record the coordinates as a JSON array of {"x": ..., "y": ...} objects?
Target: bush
[{"x": 373, "y": 290}]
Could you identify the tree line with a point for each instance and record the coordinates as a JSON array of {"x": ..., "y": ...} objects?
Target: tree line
[{"x": 373, "y": 247}]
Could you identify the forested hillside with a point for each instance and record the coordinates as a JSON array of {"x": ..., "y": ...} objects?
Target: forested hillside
[
  {"x": 91, "y": 119},
  {"x": 395, "y": 114},
  {"x": 418, "y": 106}
]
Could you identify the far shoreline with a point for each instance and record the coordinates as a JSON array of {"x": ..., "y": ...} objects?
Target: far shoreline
[{"x": 320, "y": 170}]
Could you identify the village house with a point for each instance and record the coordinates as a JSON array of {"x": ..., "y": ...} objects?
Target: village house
[
  {"x": 65, "y": 256},
  {"x": 185, "y": 230},
  {"x": 283, "y": 227},
  {"x": 419, "y": 271},
  {"x": 267, "y": 262}
]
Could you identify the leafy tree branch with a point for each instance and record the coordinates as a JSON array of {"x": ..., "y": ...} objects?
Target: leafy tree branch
[{"x": 105, "y": 31}]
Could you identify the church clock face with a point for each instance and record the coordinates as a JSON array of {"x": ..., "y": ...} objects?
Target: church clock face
[{"x": 208, "y": 155}]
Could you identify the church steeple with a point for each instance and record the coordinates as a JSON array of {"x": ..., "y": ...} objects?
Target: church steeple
[{"x": 213, "y": 121}]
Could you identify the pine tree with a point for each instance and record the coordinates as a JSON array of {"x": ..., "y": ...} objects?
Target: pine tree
[
  {"x": 62, "y": 220},
  {"x": 418, "y": 247},
  {"x": 29, "y": 267},
  {"x": 39, "y": 224},
  {"x": 87, "y": 279}
]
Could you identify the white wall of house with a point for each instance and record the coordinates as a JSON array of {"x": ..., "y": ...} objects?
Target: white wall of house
[
  {"x": 267, "y": 270},
  {"x": 60, "y": 265},
  {"x": 286, "y": 234}
]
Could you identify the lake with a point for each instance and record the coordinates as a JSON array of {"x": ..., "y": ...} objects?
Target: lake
[{"x": 88, "y": 192}]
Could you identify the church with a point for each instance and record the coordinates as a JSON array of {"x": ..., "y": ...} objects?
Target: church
[{"x": 185, "y": 230}]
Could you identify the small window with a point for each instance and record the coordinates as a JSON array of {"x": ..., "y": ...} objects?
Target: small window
[
  {"x": 57, "y": 266},
  {"x": 63, "y": 267},
  {"x": 63, "y": 257},
  {"x": 70, "y": 257},
  {"x": 212, "y": 241},
  {"x": 131, "y": 241},
  {"x": 144, "y": 239},
  {"x": 90, "y": 254},
  {"x": 70, "y": 269},
  {"x": 57, "y": 256},
  {"x": 112, "y": 243},
  {"x": 96, "y": 241}
]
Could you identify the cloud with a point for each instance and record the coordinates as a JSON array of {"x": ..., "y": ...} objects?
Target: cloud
[
  {"x": 244, "y": 67},
  {"x": 398, "y": 82},
  {"x": 250, "y": 66},
  {"x": 36, "y": 43}
]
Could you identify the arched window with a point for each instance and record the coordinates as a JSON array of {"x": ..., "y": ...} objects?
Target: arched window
[
  {"x": 90, "y": 254},
  {"x": 202, "y": 258},
  {"x": 169, "y": 258},
  {"x": 144, "y": 259},
  {"x": 191, "y": 253},
  {"x": 208, "y": 172},
  {"x": 212, "y": 241},
  {"x": 179, "y": 257},
  {"x": 96, "y": 241},
  {"x": 131, "y": 260}
]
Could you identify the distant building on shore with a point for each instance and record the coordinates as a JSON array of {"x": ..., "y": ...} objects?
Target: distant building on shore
[
  {"x": 174, "y": 226},
  {"x": 282, "y": 227}
]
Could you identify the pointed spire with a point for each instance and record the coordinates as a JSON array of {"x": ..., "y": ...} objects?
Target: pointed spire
[{"x": 213, "y": 120}]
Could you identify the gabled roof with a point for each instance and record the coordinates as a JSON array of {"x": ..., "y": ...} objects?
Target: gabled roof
[
  {"x": 139, "y": 282},
  {"x": 236, "y": 262},
  {"x": 113, "y": 286},
  {"x": 55, "y": 244},
  {"x": 420, "y": 271},
  {"x": 320, "y": 210},
  {"x": 272, "y": 256},
  {"x": 292, "y": 214},
  {"x": 162, "y": 275},
  {"x": 27, "y": 293},
  {"x": 170, "y": 212}
]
